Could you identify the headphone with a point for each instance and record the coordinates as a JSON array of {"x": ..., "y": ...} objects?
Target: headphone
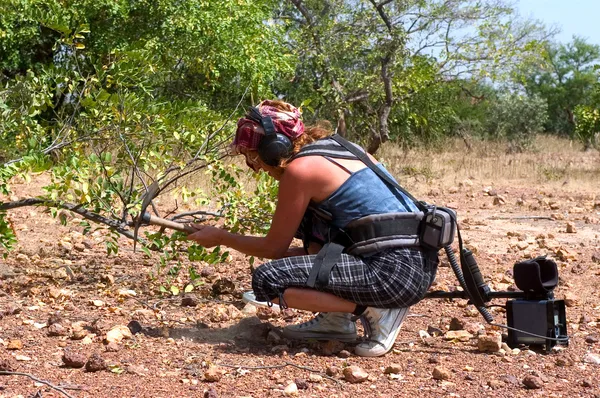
[{"x": 273, "y": 146}]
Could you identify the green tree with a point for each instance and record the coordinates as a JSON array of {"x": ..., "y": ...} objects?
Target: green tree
[
  {"x": 120, "y": 100},
  {"x": 360, "y": 62},
  {"x": 565, "y": 80}
]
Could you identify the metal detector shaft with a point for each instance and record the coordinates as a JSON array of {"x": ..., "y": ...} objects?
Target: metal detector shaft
[{"x": 161, "y": 222}]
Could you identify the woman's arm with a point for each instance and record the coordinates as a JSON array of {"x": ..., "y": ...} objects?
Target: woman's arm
[{"x": 296, "y": 188}]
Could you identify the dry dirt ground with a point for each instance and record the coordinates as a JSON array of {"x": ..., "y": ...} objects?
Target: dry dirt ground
[{"x": 62, "y": 297}]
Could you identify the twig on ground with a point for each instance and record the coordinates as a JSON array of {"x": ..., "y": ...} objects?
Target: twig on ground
[
  {"x": 520, "y": 218},
  {"x": 32, "y": 377},
  {"x": 283, "y": 365}
]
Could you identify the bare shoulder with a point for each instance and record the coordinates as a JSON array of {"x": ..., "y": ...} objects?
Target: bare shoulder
[{"x": 306, "y": 167}]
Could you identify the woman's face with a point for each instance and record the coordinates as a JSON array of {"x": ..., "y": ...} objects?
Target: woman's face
[{"x": 254, "y": 162}]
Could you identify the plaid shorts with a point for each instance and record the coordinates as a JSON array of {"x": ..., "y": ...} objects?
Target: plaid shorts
[{"x": 390, "y": 279}]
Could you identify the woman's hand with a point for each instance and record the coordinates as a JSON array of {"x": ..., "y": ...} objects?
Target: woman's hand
[{"x": 207, "y": 236}]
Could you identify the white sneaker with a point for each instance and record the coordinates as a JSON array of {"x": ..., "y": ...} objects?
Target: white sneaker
[
  {"x": 381, "y": 329},
  {"x": 325, "y": 326},
  {"x": 249, "y": 297}
]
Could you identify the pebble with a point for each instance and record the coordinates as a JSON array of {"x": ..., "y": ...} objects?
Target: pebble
[
  {"x": 533, "y": 382},
  {"x": 212, "y": 374},
  {"x": 332, "y": 371},
  {"x": 291, "y": 390},
  {"x": 354, "y": 374},
  {"x": 591, "y": 358},
  {"x": 56, "y": 329},
  {"x": 95, "y": 363},
  {"x": 440, "y": 373},
  {"x": 73, "y": 359},
  {"x": 393, "y": 368},
  {"x": 189, "y": 300},
  {"x": 489, "y": 342},
  {"x": 14, "y": 345},
  {"x": 591, "y": 339}
]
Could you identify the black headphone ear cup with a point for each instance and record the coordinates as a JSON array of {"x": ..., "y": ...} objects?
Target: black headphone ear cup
[{"x": 274, "y": 147}]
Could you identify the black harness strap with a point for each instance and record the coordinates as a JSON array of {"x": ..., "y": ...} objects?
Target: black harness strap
[{"x": 326, "y": 259}]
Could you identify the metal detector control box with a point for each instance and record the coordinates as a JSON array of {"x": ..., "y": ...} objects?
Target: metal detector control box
[{"x": 540, "y": 317}]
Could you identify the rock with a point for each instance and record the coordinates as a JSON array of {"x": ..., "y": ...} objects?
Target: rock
[
  {"x": 571, "y": 228},
  {"x": 56, "y": 329},
  {"x": 112, "y": 347},
  {"x": 301, "y": 383},
  {"x": 223, "y": 286},
  {"x": 332, "y": 371},
  {"x": 291, "y": 390},
  {"x": 571, "y": 299},
  {"x": 95, "y": 363},
  {"x": 457, "y": 324},
  {"x": 440, "y": 373},
  {"x": 591, "y": 339},
  {"x": 137, "y": 370},
  {"x": 118, "y": 333},
  {"x": 533, "y": 382},
  {"x": 73, "y": 359},
  {"x": 509, "y": 379},
  {"x": 489, "y": 342},
  {"x": 134, "y": 327},
  {"x": 587, "y": 384},
  {"x": 354, "y": 374},
  {"x": 212, "y": 374},
  {"x": 499, "y": 200},
  {"x": 344, "y": 354},
  {"x": 249, "y": 309},
  {"x": 331, "y": 347},
  {"x": 434, "y": 331},
  {"x": 460, "y": 335},
  {"x": 495, "y": 384},
  {"x": 211, "y": 393},
  {"x": 14, "y": 345},
  {"x": 393, "y": 368},
  {"x": 591, "y": 358},
  {"x": 207, "y": 272},
  {"x": 313, "y": 378},
  {"x": 189, "y": 300}
]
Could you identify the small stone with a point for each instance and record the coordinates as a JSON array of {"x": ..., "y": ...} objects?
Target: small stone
[
  {"x": 73, "y": 359},
  {"x": 393, "y": 368},
  {"x": 56, "y": 329},
  {"x": 189, "y": 300},
  {"x": 354, "y": 374},
  {"x": 440, "y": 373},
  {"x": 134, "y": 327},
  {"x": 108, "y": 279},
  {"x": 457, "y": 324},
  {"x": 591, "y": 358},
  {"x": 137, "y": 370},
  {"x": 207, "y": 272},
  {"x": 495, "y": 384},
  {"x": 571, "y": 300},
  {"x": 331, "y": 347},
  {"x": 313, "y": 378},
  {"x": 223, "y": 286},
  {"x": 212, "y": 374},
  {"x": 489, "y": 342},
  {"x": 95, "y": 363},
  {"x": 533, "y": 382},
  {"x": 301, "y": 383},
  {"x": 434, "y": 331},
  {"x": 291, "y": 390},
  {"x": 332, "y": 371},
  {"x": 460, "y": 335},
  {"x": 571, "y": 228},
  {"x": 112, "y": 347},
  {"x": 79, "y": 334},
  {"x": 14, "y": 345},
  {"x": 211, "y": 393},
  {"x": 591, "y": 339},
  {"x": 587, "y": 384},
  {"x": 344, "y": 354},
  {"x": 118, "y": 333}
]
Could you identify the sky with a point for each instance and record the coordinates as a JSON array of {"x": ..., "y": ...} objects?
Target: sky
[{"x": 573, "y": 17}]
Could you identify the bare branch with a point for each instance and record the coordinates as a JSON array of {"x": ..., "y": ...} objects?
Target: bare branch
[{"x": 32, "y": 377}]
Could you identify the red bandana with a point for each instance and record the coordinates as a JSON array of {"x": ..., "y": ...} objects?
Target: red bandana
[{"x": 249, "y": 133}]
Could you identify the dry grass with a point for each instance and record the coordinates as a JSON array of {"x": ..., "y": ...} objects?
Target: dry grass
[{"x": 551, "y": 161}]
